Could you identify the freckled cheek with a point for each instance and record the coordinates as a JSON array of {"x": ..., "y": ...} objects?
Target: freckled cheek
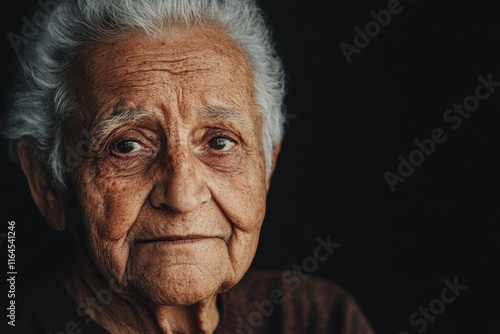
[
  {"x": 121, "y": 203},
  {"x": 254, "y": 214},
  {"x": 246, "y": 204}
]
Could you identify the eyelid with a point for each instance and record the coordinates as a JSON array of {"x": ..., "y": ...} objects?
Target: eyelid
[
  {"x": 225, "y": 137},
  {"x": 218, "y": 132},
  {"x": 147, "y": 142},
  {"x": 121, "y": 138},
  {"x": 231, "y": 144},
  {"x": 102, "y": 138},
  {"x": 113, "y": 147}
]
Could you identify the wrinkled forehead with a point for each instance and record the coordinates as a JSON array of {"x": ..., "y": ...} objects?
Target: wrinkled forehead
[{"x": 201, "y": 67}]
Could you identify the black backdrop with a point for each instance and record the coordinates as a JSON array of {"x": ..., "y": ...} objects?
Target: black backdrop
[{"x": 348, "y": 124}]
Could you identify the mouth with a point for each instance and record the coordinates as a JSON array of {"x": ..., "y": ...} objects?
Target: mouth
[{"x": 178, "y": 240}]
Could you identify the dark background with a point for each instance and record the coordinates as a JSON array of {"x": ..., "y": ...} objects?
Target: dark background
[{"x": 348, "y": 124}]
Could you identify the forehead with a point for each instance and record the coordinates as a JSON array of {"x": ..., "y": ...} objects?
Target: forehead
[{"x": 185, "y": 68}]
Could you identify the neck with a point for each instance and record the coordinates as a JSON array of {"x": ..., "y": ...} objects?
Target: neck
[{"x": 119, "y": 310}]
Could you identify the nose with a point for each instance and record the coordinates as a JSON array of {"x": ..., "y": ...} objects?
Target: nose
[{"x": 181, "y": 187}]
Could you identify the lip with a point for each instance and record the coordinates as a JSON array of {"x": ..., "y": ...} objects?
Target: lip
[{"x": 178, "y": 240}]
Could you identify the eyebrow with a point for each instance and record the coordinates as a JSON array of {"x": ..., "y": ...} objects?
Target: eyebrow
[
  {"x": 120, "y": 116},
  {"x": 224, "y": 114}
]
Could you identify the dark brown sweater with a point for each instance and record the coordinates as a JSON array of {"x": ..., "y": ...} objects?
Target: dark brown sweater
[{"x": 263, "y": 302}]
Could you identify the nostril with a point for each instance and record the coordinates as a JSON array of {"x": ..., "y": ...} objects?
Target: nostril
[{"x": 180, "y": 192}]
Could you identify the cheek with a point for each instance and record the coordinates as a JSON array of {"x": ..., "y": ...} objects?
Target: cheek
[
  {"x": 110, "y": 209},
  {"x": 111, "y": 206},
  {"x": 250, "y": 201},
  {"x": 242, "y": 197}
]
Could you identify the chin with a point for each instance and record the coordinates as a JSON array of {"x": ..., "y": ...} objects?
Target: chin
[{"x": 180, "y": 285}]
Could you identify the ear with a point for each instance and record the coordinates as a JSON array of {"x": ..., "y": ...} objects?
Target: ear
[
  {"x": 45, "y": 196},
  {"x": 276, "y": 152}
]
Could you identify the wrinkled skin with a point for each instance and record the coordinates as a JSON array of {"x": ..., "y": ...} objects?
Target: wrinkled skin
[{"x": 171, "y": 198}]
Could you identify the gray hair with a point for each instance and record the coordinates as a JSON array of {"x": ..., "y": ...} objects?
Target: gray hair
[{"x": 44, "y": 98}]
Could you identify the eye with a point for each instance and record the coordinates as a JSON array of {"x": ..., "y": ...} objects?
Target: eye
[
  {"x": 127, "y": 146},
  {"x": 221, "y": 143}
]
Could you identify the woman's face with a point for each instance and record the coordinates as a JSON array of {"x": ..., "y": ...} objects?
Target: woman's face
[{"x": 171, "y": 197}]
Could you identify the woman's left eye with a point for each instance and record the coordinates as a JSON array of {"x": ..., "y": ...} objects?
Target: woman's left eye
[
  {"x": 127, "y": 146},
  {"x": 221, "y": 143}
]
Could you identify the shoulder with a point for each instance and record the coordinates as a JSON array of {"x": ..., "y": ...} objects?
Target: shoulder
[{"x": 298, "y": 304}]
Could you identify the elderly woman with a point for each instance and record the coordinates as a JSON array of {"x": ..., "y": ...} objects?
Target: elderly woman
[{"x": 150, "y": 130}]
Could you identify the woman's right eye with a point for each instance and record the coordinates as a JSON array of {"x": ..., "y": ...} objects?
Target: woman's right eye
[{"x": 127, "y": 146}]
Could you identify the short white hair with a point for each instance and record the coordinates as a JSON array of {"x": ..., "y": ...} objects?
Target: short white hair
[{"x": 44, "y": 99}]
